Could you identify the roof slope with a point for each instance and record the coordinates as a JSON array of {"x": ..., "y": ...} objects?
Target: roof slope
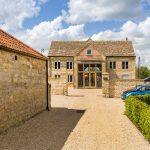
[
  {"x": 10, "y": 42},
  {"x": 107, "y": 48}
]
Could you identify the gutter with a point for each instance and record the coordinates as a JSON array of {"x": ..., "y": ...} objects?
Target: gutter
[
  {"x": 47, "y": 88},
  {"x": 22, "y": 52}
]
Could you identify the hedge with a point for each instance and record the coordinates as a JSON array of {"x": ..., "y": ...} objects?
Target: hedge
[
  {"x": 138, "y": 110},
  {"x": 144, "y": 98}
]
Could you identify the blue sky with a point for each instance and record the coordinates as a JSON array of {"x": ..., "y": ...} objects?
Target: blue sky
[
  {"x": 49, "y": 11},
  {"x": 52, "y": 9},
  {"x": 38, "y": 22}
]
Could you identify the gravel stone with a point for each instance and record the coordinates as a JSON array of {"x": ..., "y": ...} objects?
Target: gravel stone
[{"x": 102, "y": 126}]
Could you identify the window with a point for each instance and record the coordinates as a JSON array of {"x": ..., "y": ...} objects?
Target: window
[
  {"x": 69, "y": 65},
  {"x": 57, "y": 65},
  {"x": 112, "y": 65},
  {"x": 125, "y": 76},
  {"x": 98, "y": 67},
  {"x": 80, "y": 67},
  {"x": 70, "y": 78},
  {"x": 86, "y": 67},
  {"x": 16, "y": 57},
  {"x": 142, "y": 89},
  {"x": 125, "y": 65},
  {"x": 89, "y": 52},
  {"x": 57, "y": 76},
  {"x": 148, "y": 88},
  {"x": 113, "y": 76}
]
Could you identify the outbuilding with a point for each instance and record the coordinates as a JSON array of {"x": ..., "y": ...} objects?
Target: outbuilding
[{"x": 23, "y": 81}]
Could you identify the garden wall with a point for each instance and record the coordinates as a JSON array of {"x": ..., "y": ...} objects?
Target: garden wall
[{"x": 116, "y": 87}]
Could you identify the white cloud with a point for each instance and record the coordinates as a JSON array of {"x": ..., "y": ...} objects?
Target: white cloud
[
  {"x": 138, "y": 33},
  {"x": 41, "y": 35},
  {"x": 13, "y": 12},
  {"x": 82, "y": 11}
]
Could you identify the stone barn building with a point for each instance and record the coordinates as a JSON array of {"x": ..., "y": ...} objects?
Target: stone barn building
[
  {"x": 23, "y": 81},
  {"x": 86, "y": 64}
]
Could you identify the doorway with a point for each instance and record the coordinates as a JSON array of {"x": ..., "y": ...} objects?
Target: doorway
[{"x": 89, "y": 75}]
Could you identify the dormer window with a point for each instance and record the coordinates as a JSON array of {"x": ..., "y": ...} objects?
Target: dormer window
[{"x": 89, "y": 52}]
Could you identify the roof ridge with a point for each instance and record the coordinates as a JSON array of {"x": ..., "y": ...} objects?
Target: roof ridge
[
  {"x": 22, "y": 43},
  {"x": 112, "y": 41},
  {"x": 67, "y": 41},
  {"x": 94, "y": 41}
]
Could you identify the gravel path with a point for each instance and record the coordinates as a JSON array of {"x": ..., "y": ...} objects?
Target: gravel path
[{"x": 103, "y": 126}]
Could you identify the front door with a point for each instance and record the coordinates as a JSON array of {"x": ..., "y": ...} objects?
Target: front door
[
  {"x": 89, "y": 76},
  {"x": 92, "y": 81},
  {"x": 89, "y": 80}
]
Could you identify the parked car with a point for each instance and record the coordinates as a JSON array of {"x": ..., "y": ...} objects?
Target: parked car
[
  {"x": 140, "y": 90},
  {"x": 147, "y": 79}
]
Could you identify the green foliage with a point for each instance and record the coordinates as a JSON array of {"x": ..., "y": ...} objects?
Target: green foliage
[
  {"x": 145, "y": 98},
  {"x": 144, "y": 123},
  {"x": 143, "y": 72},
  {"x": 138, "y": 111}
]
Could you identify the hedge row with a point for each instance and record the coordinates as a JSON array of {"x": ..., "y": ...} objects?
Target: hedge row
[
  {"x": 138, "y": 110},
  {"x": 144, "y": 98}
]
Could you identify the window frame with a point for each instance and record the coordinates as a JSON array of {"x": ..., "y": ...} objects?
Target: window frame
[
  {"x": 125, "y": 64},
  {"x": 70, "y": 78},
  {"x": 57, "y": 76},
  {"x": 112, "y": 64},
  {"x": 90, "y": 51},
  {"x": 57, "y": 65},
  {"x": 69, "y": 65}
]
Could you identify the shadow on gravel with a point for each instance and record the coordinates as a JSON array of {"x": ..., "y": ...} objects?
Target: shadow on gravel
[{"x": 46, "y": 131}]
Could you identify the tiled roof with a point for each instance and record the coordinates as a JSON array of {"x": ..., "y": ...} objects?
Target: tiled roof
[
  {"x": 9, "y": 42},
  {"x": 107, "y": 48}
]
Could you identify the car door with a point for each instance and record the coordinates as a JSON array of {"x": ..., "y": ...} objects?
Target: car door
[
  {"x": 142, "y": 90},
  {"x": 147, "y": 90}
]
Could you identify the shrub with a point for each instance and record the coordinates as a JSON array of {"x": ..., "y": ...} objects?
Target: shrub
[
  {"x": 145, "y": 98},
  {"x": 144, "y": 123},
  {"x": 138, "y": 111}
]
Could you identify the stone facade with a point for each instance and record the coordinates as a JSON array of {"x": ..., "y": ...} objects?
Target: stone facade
[
  {"x": 102, "y": 53},
  {"x": 119, "y": 72},
  {"x": 64, "y": 72},
  {"x": 59, "y": 85},
  {"x": 23, "y": 91}
]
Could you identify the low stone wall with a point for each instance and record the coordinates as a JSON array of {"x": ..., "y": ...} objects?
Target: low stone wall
[
  {"x": 105, "y": 84},
  {"x": 22, "y": 88},
  {"x": 116, "y": 87},
  {"x": 58, "y": 86}
]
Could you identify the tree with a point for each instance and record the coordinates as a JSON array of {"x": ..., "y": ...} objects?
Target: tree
[
  {"x": 143, "y": 72},
  {"x": 42, "y": 50}
]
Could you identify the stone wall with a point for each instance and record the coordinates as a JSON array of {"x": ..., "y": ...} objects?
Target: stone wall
[
  {"x": 63, "y": 71},
  {"x": 116, "y": 87},
  {"x": 22, "y": 88},
  {"x": 131, "y": 71},
  {"x": 105, "y": 84},
  {"x": 58, "y": 86}
]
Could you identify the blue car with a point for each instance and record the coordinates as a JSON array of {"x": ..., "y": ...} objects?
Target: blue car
[{"x": 140, "y": 90}]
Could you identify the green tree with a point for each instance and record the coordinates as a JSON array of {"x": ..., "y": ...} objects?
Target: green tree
[{"x": 143, "y": 72}]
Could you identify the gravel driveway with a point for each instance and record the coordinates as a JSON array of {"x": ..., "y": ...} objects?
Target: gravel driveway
[{"x": 102, "y": 126}]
